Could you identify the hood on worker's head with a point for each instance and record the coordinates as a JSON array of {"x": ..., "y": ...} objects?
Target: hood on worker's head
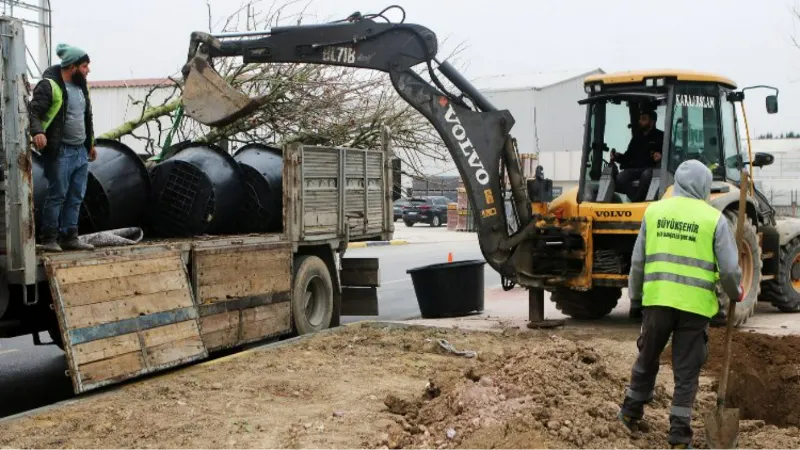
[{"x": 693, "y": 180}]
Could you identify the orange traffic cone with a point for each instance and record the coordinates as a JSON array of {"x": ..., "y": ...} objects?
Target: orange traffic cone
[{"x": 450, "y": 257}]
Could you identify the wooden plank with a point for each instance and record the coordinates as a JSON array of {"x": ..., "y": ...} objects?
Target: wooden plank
[
  {"x": 266, "y": 321},
  {"x": 220, "y": 274},
  {"x": 98, "y": 291},
  {"x": 233, "y": 273},
  {"x": 106, "y": 348},
  {"x": 237, "y": 288},
  {"x": 176, "y": 351},
  {"x": 207, "y": 259},
  {"x": 117, "y": 367},
  {"x": 360, "y": 263},
  {"x": 126, "y": 308},
  {"x": 82, "y": 274},
  {"x": 360, "y": 277},
  {"x": 221, "y": 339},
  {"x": 359, "y": 301},
  {"x": 170, "y": 333},
  {"x": 219, "y": 322}
]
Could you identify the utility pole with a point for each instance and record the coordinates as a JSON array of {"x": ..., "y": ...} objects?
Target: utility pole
[{"x": 45, "y": 35}]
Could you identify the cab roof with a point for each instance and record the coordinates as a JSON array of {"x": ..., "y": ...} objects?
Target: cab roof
[{"x": 639, "y": 77}]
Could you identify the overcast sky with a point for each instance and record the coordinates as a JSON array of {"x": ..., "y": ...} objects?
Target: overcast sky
[{"x": 747, "y": 40}]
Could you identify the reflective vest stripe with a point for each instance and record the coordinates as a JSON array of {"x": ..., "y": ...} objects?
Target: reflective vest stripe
[
  {"x": 685, "y": 260},
  {"x": 681, "y": 279},
  {"x": 58, "y": 100}
]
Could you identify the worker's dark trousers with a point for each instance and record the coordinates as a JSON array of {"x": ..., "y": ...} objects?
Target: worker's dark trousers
[{"x": 689, "y": 352}]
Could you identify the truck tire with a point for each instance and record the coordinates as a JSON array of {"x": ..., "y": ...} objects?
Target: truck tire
[
  {"x": 312, "y": 295},
  {"x": 595, "y": 303},
  {"x": 751, "y": 276},
  {"x": 784, "y": 291}
]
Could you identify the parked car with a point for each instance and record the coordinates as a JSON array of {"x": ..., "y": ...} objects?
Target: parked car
[
  {"x": 431, "y": 210},
  {"x": 399, "y": 206}
]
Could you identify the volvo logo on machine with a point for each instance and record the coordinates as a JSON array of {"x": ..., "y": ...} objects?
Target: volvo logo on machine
[
  {"x": 613, "y": 214},
  {"x": 458, "y": 132}
]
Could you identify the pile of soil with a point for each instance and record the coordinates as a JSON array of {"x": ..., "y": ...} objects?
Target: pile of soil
[
  {"x": 368, "y": 387},
  {"x": 765, "y": 374}
]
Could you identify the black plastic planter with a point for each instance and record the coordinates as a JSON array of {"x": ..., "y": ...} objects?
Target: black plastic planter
[
  {"x": 451, "y": 289},
  {"x": 262, "y": 167},
  {"x": 199, "y": 190},
  {"x": 117, "y": 190}
]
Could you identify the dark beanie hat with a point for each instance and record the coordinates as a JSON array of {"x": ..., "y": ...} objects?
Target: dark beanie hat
[{"x": 71, "y": 55}]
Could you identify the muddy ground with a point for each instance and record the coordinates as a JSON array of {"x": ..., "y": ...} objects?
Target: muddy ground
[{"x": 369, "y": 387}]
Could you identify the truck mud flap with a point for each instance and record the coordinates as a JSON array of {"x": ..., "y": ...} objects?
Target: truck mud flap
[
  {"x": 124, "y": 313},
  {"x": 243, "y": 292},
  {"x": 360, "y": 279}
]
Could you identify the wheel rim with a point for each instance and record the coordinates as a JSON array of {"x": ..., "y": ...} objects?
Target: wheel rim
[
  {"x": 436, "y": 220},
  {"x": 313, "y": 301},
  {"x": 746, "y": 263},
  {"x": 795, "y": 273}
]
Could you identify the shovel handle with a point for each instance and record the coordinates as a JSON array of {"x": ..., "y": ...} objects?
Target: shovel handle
[{"x": 726, "y": 362}]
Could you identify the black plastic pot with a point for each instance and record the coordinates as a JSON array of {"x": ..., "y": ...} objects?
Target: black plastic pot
[
  {"x": 199, "y": 190},
  {"x": 452, "y": 289},
  {"x": 117, "y": 189},
  {"x": 262, "y": 167}
]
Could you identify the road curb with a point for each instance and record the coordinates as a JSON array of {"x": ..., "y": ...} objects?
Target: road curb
[{"x": 377, "y": 243}]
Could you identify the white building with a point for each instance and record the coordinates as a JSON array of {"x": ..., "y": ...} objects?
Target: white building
[
  {"x": 544, "y": 105},
  {"x": 115, "y": 102}
]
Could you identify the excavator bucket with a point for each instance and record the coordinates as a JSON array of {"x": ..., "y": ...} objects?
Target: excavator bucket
[{"x": 208, "y": 99}]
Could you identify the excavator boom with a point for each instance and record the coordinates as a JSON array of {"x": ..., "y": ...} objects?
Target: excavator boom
[{"x": 477, "y": 137}]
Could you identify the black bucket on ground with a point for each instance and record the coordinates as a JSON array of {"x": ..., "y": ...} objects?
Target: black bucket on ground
[
  {"x": 450, "y": 289},
  {"x": 117, "y": 189},
  {"x": 199, "y": 190},
  {"x": 262, "y": 167}
]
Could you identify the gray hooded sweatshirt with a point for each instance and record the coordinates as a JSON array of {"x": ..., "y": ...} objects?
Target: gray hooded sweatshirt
[{"x": 693, "y": 180}]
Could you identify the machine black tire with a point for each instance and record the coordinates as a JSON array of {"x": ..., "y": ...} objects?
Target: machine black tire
[
  {"x": 780, "y": 291},
  {"x": 436, "y": 221},
  {"x": 312, "y": 285},
  {"x": 593, "y": 304},
  {"x": 746, "y": 308},
  {"x": 409, "y": 224}
]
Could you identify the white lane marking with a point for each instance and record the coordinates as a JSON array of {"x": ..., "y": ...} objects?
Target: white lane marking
[
  {"x": 11, "y": 350},
  {"x": 395, "y": 281}
]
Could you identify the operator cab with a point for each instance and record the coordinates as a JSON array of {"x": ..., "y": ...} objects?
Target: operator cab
[{"x": 642, "y": 125}]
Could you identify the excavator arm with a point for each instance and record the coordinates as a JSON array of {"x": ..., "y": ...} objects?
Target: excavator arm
[{"x": 477, "y": 137}]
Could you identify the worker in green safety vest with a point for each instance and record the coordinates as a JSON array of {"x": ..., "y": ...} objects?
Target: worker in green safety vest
[
  {"x": 684, "y": 246},
  {"x": 61, "y": 130}
]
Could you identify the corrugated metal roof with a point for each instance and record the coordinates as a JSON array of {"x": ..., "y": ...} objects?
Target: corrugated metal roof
[
  {"x": 133, "y": 82},
  {"x": 530, "y": 80}
]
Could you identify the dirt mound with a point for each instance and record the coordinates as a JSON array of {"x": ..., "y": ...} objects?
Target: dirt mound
[
  {"x": 765, "y": 375},
  {"x": 558, "y": 395}
]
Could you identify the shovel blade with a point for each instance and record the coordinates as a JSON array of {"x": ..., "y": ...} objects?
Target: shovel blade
[
  {"x": 722, "y": 428},
  {"x": 208, "y": 99}
]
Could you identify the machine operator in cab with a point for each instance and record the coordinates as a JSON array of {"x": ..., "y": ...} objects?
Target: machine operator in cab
[{"x": 642, "y": 156}]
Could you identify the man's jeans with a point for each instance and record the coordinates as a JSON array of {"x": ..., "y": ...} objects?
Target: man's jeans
[{"x": 67, "y": 175}]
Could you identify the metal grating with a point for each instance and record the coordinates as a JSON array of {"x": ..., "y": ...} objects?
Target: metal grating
[{"x": 179, "y": 196}]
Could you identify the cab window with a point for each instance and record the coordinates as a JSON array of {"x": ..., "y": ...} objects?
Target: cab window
[
  {"x": 730, "y": 139},
  {"x": 695, "y": 128}
]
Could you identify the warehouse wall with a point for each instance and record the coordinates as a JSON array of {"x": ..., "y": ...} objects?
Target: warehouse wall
[
  {"x": 520, "y": 103},
  {"x": 559, "y": 117}
]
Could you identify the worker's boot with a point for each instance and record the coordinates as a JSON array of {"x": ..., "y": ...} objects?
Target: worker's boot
[
  {"x": 49, "y": 240},
  {"x": 628, "y": 421},
  {"x": 70, "y": 241}
]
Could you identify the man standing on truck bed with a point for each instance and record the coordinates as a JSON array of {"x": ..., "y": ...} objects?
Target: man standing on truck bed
[
  {"x": 682, "y": 243},
  {"x": 61, "y": 126}
]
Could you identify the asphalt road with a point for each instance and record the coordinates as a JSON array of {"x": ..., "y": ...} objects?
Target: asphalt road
[{"x": 31, "y": 376}]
